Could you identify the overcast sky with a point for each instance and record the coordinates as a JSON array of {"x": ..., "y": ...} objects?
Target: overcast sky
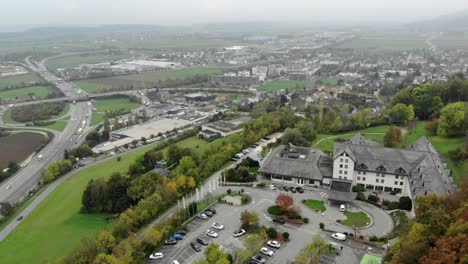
[{"x": 184, "y": 12}]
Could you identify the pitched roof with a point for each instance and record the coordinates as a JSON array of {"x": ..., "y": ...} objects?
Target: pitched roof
[{"x": 296, "y": 161}]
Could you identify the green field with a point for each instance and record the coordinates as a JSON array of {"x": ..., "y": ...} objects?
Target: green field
[
  {"x": 358, "y": 219},
  {"x": 329, "y": 81},
  {"x": 114, "y": 104},
  {"x": 19, "y": 79},
  {"x": 75, "y": 60},
  {"x": 59, "y": 125},
  {"x": 97, "y": 118},
  {"x": 316, "y": 205},
  {"x": 283, "y": 85},
  {"x": 93, "y": 87},
  {"x": 39, "y": 91}
]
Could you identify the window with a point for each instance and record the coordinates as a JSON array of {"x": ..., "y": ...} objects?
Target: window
[
  {"x": 401, "y": 183},
  {"x": 363, "y": 178},
  {"x": 341, "y": 172},
  {"x": 376, "y": 180},
  {"x": 396, "y": 183},
  {"x": 345, "y": 172},
  {"x": 341, "y": 165},
  {"x": 341, "y": 160},
  {"x": 364, "y": 173},
  {"x": 382, "y": 181},
  {"x": 345, "y": 178},
  {"x": 358, "y": 172},
  {"x": 359, "y": 178},
  {"x": 377, "y": 174},
  {"x": 340, "y": 177},
  {"x": 346, "y": 160},
  {"x": 346, "y": 166},
  {"x": 396, "y": 177}
]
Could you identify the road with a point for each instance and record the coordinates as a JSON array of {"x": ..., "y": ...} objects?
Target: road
[{"x": 27, "y": 178}]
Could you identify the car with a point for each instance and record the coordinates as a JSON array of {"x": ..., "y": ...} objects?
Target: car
[
  {"x": 217, "y": 226},
  {"x": 258, "y": 259},
  {"x": 267, "y": 138},
  {"x": 334, "y": 245},
  {"x": 208, "y": 213},
  {"x": 286, "y": 188},
  {"x": 272, "y": 187},
  {"x": 170, "y": 241},
  {"x": 175, "y": 262},
  {"x": 202, "y": 216},
  {"x": 339, "y": 236},
  {"x": 19, "y": 218},
  {"x": 300, "y": 189},
  {"x": 274, "y": 244},
  {"x": 181, "y": 232},
  {"x": 266, "y": 251},
  {"x": 279, "y": 220},
  {"x": 201, "y": 241},
  {"x": 239, "y": 233},
  {"x": 292, "y": 189},
  {"x": 211, "y": 233},
  {"x": 8, "y": 187},
  {"x": 195, "y": 246},
  {"x": 157, "y": 255},
  {"x": 342, "y": 207},
  {"x": 211, "y": 210},
  {"x": 178, "y": 237}
]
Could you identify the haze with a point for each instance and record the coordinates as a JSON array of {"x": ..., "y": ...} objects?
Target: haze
[{"x": 31, "y": 13}]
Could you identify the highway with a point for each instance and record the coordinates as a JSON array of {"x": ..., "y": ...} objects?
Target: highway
[{"x": 18, "y": 186}]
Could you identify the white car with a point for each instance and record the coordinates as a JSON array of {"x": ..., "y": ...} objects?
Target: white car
[
  {"x": 157, "y": 255},
  {"x": 202, "y": 216},
  {"x": 266, "y": 251},
  {"x": 342, "y": 208},
  {"x": 339, "y": 236},
  {"x": 217, "y": 226},
  {"x": 239, "y": 233},
  {"x": 272, "y": 187},
  {"x": 211, "y": 233},
  {"x": 274, "y": 244}
]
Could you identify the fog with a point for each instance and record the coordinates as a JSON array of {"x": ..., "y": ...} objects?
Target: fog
[{"x": 30, "y": 13}]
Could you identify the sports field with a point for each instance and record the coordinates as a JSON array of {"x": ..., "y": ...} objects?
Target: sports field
[
  {"x": 39, "y": 91},
  {"x": 283, "y": 85},
  {"x": 141, "y": 80},
  {"x": 18, "y": 80}
]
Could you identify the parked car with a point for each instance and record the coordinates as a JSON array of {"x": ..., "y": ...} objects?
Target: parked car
[
  {"x": 170, "y": 241},
  {"x": 208, "y": 213},
  {"x": 195, "y": 246},
  {"x": 286, "y": 188},
  {"x": 19, "y": 218},
  {"x": 266, "y": 251},
  {"x": 292, "y": 189},
  {"x": 202, "y": 216},
  {"x": 273, "y": 244},
  {"x": 339, "y": 236},
  {"x": 178, "y": 237},
  {"x": 201, "y": 241},
  {"x": 211, "y": 210},
  {"x": 217, "y": 226},
  {"x": 181, "y": 232},
  {"x": 239, "y": 233},
  {"x": 342, "y": 207},
  {"x": 272, "y": 187},
  {"x": 157, "y": 255},
  {"x": 279, "y": 220},
  {"x": 300, "y": 189},
  {"x": 175, "y": 262},
  {"x": 211, "y": 233},
  {"x": 258, "y": 259}
]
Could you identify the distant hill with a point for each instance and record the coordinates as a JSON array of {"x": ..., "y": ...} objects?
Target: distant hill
[{"x": 451, "y": 22}]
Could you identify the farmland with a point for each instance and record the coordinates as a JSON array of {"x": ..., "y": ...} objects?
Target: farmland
[
  {"x": 39, "y": 91},
  {"x": 141, "y": 80},
  {"x": 21, "y": 79},
  {"x": 24, "y": 144}
]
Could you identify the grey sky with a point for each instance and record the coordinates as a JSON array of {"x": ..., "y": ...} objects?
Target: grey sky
[{"x": 180, "y": 12}]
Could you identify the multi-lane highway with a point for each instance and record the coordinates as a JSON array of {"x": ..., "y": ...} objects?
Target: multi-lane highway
[{"x": 28, "y": 177}]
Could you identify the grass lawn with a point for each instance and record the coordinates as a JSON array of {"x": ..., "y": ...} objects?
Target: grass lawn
[
  {"x": 93, "y": 87},
  {"x": 59, "y": 125},
  {"x": 39, "y": 91},
  {"x": 18, "y": 79},
  {"x": 114, "y": 104},
  {"x": 358, "y": 219},
  {"x": 200, "y": 145},
  {"x": 55, "y": 227},
  {"x": 316, "y": 205},
  {"x": 283, "y": 85},
  {"x": 329, "y": 81},
  {"x": 97, "y": 118}
]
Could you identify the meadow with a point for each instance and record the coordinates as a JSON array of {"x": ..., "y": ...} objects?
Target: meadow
[
  {"x": 9, "y": 81},
  {"x": 39, "y": 91},
  {"x": 283, "y": 85}
]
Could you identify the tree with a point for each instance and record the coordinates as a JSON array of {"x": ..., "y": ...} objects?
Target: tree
[
  {"x": 105, "y": 241},
  {"x": 393, "y": 137},
  {"x": 405, "y": 203},
  {"x": 313, "y": 251},
  {"x": 12, "y": 167},
  {"x": 6, "y": 209},
  {"x": 249, "y": 218},
  {"x": 185, "y": 165},
  {"x": 401, "y": 113},
  {"x": 293, "y": 136},
  {"x": 272, "y": 233},
  {"x": 452, "y": 120},
  {"x": 285, "y": 202}
]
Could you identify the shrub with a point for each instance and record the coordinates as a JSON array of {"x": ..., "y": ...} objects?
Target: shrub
[
  {"x": 286, "y": 235},
  {"x": 361, "y": 237},
  {"x": 373, "y": 198},
  {"x": 272, "y": 233},
  {"x": 275, "y": 210},
  {"x": 245, "y": 199},
  {"x": 346, "y": 233},
  {"x": 358, "y": 188},
  {"x": 393, "y": 206},
  {"x": 322, "y": 226},
  {"x": 306, "y": 220},
  {"x": 360, "y": 196},
  {"x": 261, "y": 185},
  {"x": 229, "y": 191},
  {"x": 405, "y": 203}
]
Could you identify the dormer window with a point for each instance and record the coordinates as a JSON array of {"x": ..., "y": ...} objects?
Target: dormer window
[
  {"x": 381, "y": 168},
  {"x": 400, "y": 171},
  {"x": 362, "y": 166}
]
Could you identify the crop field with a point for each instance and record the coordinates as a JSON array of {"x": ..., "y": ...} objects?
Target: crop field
[
  {"x": 39, "y": 91},
  {"x": 141, "y": 80},
  {"x": 9, "y": 81},
  {"x": 24, "y": 144},
  {"x": 75, "y": 60},
  {"x": 283, "y": 85}
]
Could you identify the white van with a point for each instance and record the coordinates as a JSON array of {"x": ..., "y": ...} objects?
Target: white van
[
  {"x": 342, "y": 208},
  {"x": 339, "y": 236}
]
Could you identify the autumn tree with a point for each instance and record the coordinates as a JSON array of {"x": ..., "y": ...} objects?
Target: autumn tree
[
  {"x": 285, "y": 202},
  {"x": 249, "y": 219},
  {"x": 393, "y": 137}
]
